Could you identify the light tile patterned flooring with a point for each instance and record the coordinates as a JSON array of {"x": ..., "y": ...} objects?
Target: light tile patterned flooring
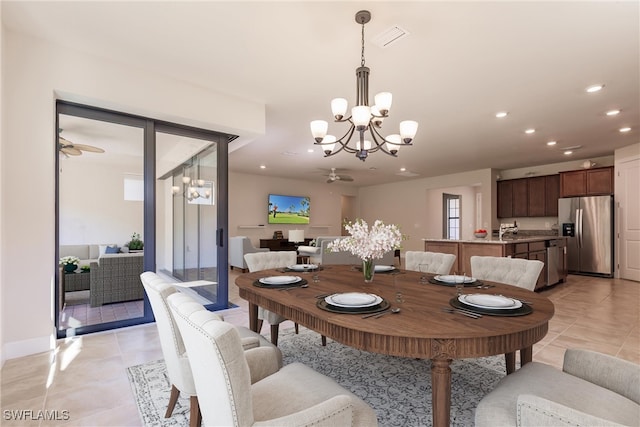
[
  {"x": 73, "y": 316},
  {"x": 86, "y": 375}
]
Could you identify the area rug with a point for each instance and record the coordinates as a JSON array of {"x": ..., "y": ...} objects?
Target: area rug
[{"x": 399, "y": 389}]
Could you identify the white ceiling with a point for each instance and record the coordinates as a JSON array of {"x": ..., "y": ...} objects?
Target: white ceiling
[{"x": 462, "y": 63}]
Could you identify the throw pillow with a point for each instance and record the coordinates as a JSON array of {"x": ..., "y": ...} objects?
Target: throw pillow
[{"x": 112, "y": 250}]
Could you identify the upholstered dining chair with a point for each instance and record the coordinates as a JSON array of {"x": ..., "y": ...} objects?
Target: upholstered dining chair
[
  {"x": 296, "y": 395},
  {"x": 176, "y": 359},
  {"x": 593, "y": 389},
  {"x": 266, "y": 261},
  {"x": 437, "y": 263},
  {"x": 519, "y": 272}
]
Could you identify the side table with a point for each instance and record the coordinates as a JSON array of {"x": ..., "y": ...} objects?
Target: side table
[{"x": 77, "y": 281}]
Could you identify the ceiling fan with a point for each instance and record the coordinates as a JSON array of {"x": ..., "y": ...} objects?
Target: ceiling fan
[
  {"x": 68, "y": 148},
  {"x": 333, "y": 176}
]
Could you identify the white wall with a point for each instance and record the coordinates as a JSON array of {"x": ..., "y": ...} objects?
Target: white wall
[
  {"x": 34, "y": 74},
  {"x": 406, "y": 204},
  {"x": 92, "y": 205},
  {"x": 248, "y": 200},
  {"x": 2, "y": 138}
]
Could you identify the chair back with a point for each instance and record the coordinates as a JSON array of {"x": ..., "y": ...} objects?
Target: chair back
[
  {"x": 436, "y": 262},
  {"x": 238, "y": 246},
  {"x": 511, "y": 271},
  {"x": 267, "y": 260},
  {"x": 171, "y": 342},
  {"x": 221, "y": 372}
]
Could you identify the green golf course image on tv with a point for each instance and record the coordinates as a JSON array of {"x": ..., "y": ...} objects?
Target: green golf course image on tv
[{"x": 288, "y": 209}]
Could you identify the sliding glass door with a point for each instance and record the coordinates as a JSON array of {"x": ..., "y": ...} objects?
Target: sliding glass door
[{"x": 134, "y": 195}]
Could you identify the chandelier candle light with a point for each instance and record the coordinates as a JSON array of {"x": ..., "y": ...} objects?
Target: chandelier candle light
[
  {"x": 193, "y": 188},
  {"x": 368, "y": 244},
  {"x": 363, "y": 118}
]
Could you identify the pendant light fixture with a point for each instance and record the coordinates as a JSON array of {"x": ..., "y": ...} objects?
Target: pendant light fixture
[{"x": 365, "y": 121}]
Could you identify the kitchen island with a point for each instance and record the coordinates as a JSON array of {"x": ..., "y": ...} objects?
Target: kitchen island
[{"x": 538, "y": 247}]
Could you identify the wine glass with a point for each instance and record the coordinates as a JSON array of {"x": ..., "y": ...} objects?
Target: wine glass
[
  {"x": 424, "y": 269},
  {"x": 459, "y": 281}
]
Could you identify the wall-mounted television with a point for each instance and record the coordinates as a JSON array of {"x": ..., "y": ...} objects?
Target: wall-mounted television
[{"x": 288, "y": 209}]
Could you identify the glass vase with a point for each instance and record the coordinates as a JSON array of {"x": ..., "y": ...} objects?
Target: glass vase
[{"x": 368, "y": 270}]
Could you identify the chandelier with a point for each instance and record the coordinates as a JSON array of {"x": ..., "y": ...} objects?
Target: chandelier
[
  {"x": 363, "y": 118},
  {"x": 194, "y": 189}
]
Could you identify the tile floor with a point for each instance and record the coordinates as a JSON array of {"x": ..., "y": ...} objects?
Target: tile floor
[{"x": 86, "y": 375}]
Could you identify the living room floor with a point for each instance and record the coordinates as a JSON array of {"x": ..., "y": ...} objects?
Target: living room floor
[{"x": 86, "y": 375}]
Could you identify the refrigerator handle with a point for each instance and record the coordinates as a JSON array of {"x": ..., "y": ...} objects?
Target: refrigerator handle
[{"x": 579, "y": 226}]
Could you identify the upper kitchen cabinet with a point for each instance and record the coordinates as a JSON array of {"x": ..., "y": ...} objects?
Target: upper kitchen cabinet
[
  {"x": 528, "y": 197},
  {"x": 586, "y": 182}
]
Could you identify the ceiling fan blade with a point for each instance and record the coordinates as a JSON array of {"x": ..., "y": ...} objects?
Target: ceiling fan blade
[
  {"x": 329, "y": 181},
  {"x": 71, "y": 151},
  {"x": 64, "y": 141},
  {"x": 89, "y": 148},
  {"x": 346, "y": 178}
]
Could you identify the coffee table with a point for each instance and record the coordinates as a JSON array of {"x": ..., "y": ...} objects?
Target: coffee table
[{"x": 421, "y": 330}]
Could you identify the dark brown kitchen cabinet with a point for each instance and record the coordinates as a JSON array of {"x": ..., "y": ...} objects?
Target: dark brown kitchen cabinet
[
  {"x": 552, "y": 194},
  {"x": 528, "y": 197},
  {"x": 537, "y": 196},
  {"x": 586, "y": 182},
  {"x": 521, "y": 197},
  {"x": 505, "y": 199}
]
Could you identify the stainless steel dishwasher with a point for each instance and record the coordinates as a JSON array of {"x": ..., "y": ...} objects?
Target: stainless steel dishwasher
[{"x": 553, "y": 262}]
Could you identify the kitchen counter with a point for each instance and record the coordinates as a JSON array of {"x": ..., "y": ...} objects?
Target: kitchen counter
[
  {"x": 497, "y": 241},
  {"x": 522, "y": 246}
]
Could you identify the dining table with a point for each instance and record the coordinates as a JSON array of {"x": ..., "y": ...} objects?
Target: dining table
[{"x": 431, "y": 324}]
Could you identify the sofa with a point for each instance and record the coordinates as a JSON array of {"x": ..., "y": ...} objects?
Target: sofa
[
  {"x": 238, "y": 247},
  {"x": 319, "y": 254},
  {"x": 116, "y": 278},
  {"x": 86, "y": 252}
]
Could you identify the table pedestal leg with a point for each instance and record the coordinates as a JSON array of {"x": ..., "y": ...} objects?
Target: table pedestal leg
[
  {"x": 253, "y": 317},
  {"x": 441, "y": 389},
  {"x": 526, "y": 355},
  {"x": 510, "y": 361}
]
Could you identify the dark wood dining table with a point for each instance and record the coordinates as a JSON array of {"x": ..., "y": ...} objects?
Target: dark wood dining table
[{"x": 422, "y": 329}]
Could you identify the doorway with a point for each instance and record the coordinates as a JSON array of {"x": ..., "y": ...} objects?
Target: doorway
[{"x": 112, "y": 208}]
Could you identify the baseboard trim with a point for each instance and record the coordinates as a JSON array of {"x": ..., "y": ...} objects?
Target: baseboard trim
[{"x": 12, "y": 350}]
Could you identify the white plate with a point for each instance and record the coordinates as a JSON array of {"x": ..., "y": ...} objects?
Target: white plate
[
  {"x": 302, "y": 267},
  {"x": 455, "y": 279},
  {"x": 383, "y": 268},
  {"x": 279, "y": 280},
  {"x": 495, "y": 302},
  {"x": 353, "y": 300}
]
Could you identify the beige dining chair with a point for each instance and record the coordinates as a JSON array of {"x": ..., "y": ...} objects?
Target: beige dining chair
[
  {"x": 295, "y": 395},
  {"x": 435, "y": 262},
  {"x": 173, "y": 350},
  {"x": 519, "y": 272},
  {"x": 266, "y": 261}
]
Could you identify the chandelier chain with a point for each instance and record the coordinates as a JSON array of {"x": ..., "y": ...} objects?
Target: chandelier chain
[{"x": 362, "y": 54}]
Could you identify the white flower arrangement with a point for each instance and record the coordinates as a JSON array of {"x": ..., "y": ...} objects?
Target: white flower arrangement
[
  {"x": 367, "y": 243},
  {"x": 66, "y": 260}
]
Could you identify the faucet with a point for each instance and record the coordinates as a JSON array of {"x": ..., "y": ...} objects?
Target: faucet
[{"x": 507, "y": 228}]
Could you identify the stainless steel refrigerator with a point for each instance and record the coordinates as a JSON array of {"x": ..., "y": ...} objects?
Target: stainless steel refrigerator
[{"x": 587, "y": 222}]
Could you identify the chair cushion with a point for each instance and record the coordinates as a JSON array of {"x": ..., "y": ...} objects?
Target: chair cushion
[
  {"x": 499, "y": 407},
  {"x": 296, "y": 387}
]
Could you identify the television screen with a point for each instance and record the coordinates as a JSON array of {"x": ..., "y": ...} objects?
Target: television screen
[{"x": 288, "y": 209}]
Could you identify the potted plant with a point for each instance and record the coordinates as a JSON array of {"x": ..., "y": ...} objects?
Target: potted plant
[
  {"x": 69, "y": 263},
  {"x": 135, "y": 244}
]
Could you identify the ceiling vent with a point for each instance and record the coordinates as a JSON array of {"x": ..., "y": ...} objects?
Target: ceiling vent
[{"x": 390, "y": 36}]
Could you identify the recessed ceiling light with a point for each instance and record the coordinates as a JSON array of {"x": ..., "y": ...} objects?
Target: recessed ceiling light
[
  {"x": 263, "y": 167},
  {"x": 568, "y": 152},
  {"x": 529, "y": 131},
  {"x": 403, "y": 169},
  {"x": 552, "y": 142},
  {"x": 613, "y": 112},
  {"x": 309, "y": 150},
  {"x": 625, "y": 129},
  {"x": 501, "y": 114},
  {"x": 594, "y": 88}
]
